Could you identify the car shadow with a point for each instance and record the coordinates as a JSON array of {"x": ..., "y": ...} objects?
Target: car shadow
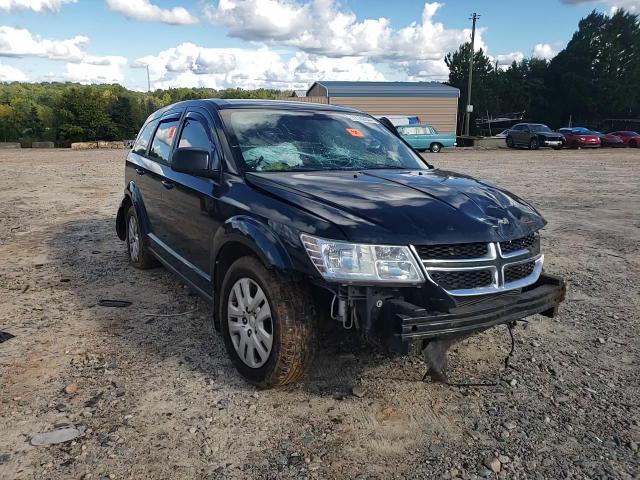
[{"x": 166, "y": 322}]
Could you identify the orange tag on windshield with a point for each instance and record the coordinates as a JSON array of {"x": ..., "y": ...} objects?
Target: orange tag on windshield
[{"x": 354, "y": 132}]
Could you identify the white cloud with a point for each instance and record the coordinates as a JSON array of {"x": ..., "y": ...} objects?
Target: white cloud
[
  {"x": 544, "y": 51},
  {"x": 261, "y": 19},
  {"x": 39, "y": 6},
  {"x": 507, "y": 59},
  {"x": 320, "y": 27},
  {"x": 190, "y": 65},
  {"x": 11, "y": 74},
  {"x": 632, "y": 6},
  {"x": 146, "y": 11},
  {"x": 19, "y": 42},
  {"x": 92, "y": 73}
]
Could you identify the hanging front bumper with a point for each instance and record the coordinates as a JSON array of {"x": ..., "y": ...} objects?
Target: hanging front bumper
[{"x": 404, "y": 322}]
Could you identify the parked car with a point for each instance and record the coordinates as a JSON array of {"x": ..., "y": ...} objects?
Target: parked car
[
  {"x": 608, "y": 140},
  {"x": 630, "y": 139},
  {"x": 533, "y": 136},
  {"x": 425, "y": 137},
  {"x": 503, "y": 133},
  {"x": 579, "y": 137},
  {"x": 275, "y": 211}
]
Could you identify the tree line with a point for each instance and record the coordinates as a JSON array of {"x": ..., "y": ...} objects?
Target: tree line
[
  {"x": 65, "y": 112},
  {"x": 596, "y": 76}
]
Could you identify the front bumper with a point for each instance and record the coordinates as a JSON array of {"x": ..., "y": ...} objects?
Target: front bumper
[
  {"x": 404, "y": 322},
  {"x": 552, "y": 143}
]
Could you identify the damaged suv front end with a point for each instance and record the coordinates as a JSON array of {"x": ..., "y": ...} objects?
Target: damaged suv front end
[{"x": 428, "y": 254}]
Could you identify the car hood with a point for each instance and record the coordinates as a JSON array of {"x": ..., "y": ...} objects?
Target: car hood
[
  {"x": 404, "y": 206},
  {"x": 551, "y": 135}
]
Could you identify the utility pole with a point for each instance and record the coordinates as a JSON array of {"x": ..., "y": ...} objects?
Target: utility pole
[
  {"x": 148, "y": 79},
  {"x": 474, "y": 17}
]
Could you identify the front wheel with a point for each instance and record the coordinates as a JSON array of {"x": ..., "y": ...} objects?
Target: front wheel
[
  {"x": 435, "y": 147},
  {"x": 633, "y": 144},
  {"x": 268, "y": 324},
  {"x": 510, "y": 143},
  {"x": 534, "y": 144}
]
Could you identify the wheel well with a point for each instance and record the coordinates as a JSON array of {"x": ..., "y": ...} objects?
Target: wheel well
[
  {"x": 121, "y": 218},
  {"x": 229, "y": 253}
]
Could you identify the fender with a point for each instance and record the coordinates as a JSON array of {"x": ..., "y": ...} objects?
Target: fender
[
  {"x": 255, "y": 235},
  {"x": 132, "y": 196}
]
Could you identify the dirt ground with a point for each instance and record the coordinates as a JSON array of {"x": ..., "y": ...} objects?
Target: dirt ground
[{"x": 157, "y": 396}]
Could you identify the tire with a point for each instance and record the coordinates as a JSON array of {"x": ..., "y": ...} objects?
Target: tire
[
  {"x": 633, "y": 144},
  {"x": 139, "y": 255},
  {"x": 435, "y": 148},
  {"x": 557, "y": 148},
  {"x": 291, "y": 323},
  {"x": 534, "y": 144},
  {"x": 510, "y": 143}
]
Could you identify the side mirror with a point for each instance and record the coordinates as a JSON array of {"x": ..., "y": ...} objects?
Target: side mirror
[{"x": 193, "y": 161}]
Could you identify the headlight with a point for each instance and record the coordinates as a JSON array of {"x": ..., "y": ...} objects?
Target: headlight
[{"x": 352, "y": 262}]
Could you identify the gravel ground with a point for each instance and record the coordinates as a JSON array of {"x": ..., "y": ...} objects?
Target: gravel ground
[{"x": 155, "y": 396}]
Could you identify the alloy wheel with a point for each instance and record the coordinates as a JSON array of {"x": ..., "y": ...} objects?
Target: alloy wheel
[
  {"x": 134, "y": 239},
  {"x": 250, "y": 322}
]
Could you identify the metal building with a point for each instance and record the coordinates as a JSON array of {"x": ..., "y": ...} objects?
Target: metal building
[{"x": 434, "y": 103}]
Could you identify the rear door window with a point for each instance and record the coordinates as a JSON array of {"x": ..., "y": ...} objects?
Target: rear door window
[
  {"x": 163, "y": 140},
  {"x": 142, "y": 142}
]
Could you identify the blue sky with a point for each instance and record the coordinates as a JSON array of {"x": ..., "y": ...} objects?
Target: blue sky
[{"x": 278, "y": 43}]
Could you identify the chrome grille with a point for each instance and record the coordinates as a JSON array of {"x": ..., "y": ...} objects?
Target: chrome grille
[
  {"x": 452, "y": 252},
  {"x": 468, "y": 269},
  {"x": 518, "y": 244},
  {"x": 518, "y": 271},
  {"x": 462, "y": 279}
]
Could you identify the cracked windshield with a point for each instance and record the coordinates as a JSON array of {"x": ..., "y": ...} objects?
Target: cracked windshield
[{"x": 271, "y": 140}]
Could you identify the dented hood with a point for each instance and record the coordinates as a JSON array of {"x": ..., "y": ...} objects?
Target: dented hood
[{"x": 405, "y": 207}]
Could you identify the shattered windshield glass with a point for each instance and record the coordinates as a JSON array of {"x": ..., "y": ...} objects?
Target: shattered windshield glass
[{"x": 295, "y": 140}]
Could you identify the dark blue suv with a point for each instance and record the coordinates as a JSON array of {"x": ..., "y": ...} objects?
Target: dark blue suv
[{"x": 276, "y": 212}]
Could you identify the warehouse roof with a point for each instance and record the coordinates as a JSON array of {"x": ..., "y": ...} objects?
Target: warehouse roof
[{"x": 387, "y": 89}]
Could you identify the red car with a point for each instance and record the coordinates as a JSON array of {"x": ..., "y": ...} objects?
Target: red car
[
  {"x": 631, "y": 139},
  {"x": 579, "y": 137}
]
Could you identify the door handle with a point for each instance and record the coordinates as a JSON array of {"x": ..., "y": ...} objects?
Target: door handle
[
  {"x": 167, "y": 185},
  {"x": 140, "y": 171}
]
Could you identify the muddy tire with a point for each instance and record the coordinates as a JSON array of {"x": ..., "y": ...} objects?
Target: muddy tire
[
  {"x": 139, "y": 255},
  {"x": 268, "y": 324}
]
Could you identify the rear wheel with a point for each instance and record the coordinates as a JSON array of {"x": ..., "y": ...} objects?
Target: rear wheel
[
  {"x": 510, "y": 143},
  {"x": 435, "y": 147},
  {"x": 633, "y": 143},
  {"x": 139, "y": 255},
  {"x": 268, "y": 324},
  {"x": 534, "y": 144}
]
